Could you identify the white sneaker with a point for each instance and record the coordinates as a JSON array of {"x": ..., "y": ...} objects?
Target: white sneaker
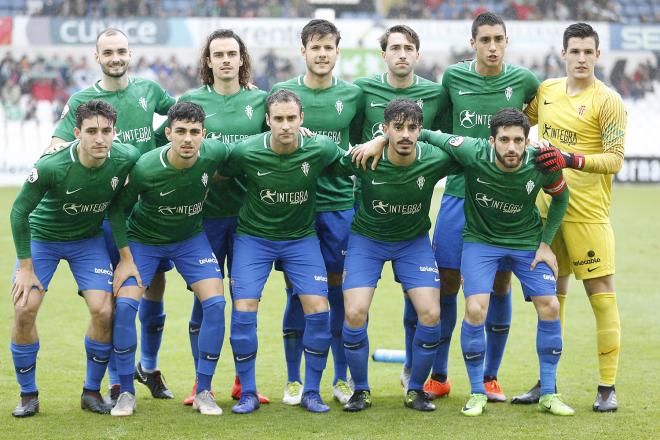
[
  {"x": 342, "y": 392},
  {"x": 205, "y": 403},
  {"x": 405, "y": 379},
  {"x": 125, "y": 405},
  {"x": 292, "y": 393}
]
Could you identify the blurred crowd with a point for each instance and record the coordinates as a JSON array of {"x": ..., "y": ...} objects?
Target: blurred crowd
[
  {"x": 587, "y": 10},
  {"x": 25, "y": 80}
]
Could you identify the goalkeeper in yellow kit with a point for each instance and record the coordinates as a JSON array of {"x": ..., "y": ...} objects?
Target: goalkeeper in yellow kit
[{"x": 586, "y": 121}]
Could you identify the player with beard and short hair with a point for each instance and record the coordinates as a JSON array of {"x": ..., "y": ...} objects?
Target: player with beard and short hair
[{"x": 136, "y": 101}]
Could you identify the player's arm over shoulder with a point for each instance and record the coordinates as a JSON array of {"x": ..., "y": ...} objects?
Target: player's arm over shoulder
[
  {"x": 612, "y": 118},
  {"x": 462, "y": 149},
  {"x": 445, "y": 164}
]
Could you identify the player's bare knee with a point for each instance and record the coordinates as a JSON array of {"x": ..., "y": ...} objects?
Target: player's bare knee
[
  {"x": 430, "y": 316},
  {"x": 547, "y": 307},
  {"x": 450, "y": 281},
  {"x": 101, "y": 315},
  {"x": 355, "y": 318},
  {"x": 475, "y": 311},
  {"x": 24, "y": 317},
  {"x": 502, "y": 283}
]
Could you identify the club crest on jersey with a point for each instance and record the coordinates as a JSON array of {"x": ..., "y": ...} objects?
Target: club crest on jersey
[
  {"x": 508, "y": 92},
  {"x": 456, "y": 141},
  {"x": 420, "y": 182},
  {"x": 305, "y": 168},
  {"x": 249, "y": 111},
  {"x": 581, "y": 110},
  {"x": 34, "y": 175},
  {"x": 205, "y": 179},
  {"x": 143, "y": 103},
  {"x": 420, "y": 103},
  {"x": 339, "y": 106},
  {"x": 530, "y": 186},
  {"x": 114, "y": 182}
]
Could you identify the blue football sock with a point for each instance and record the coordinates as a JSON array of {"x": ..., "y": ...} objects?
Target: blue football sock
[
  {"x": 193, "y": 328},
  {"x": 98, "y": 356},
  {"x": 113, "y": 375},
  {"x": 356, "y": 347},
  {"x": 244, "y": 343},
  {"x": 293, "y": 327},
  {"x": 473, "y": 343},
  {"x": 316, "y": 341},
  {"x": 152, "y": 319},
  {"x": 124, "y": 341},
  {"x": 336, "y": 299},
  {"x": 447, "y": 324},
  {"x": 498, "y": 321},
  {"x": 409, "y": 324},
  {"x": 548, "y": 347},
  {"x": 211, "y": 336},
  {"x": 425, "y": 346},
  {"x": 25, "y": 364}
]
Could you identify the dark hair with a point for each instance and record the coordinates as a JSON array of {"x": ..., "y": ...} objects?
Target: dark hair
[
  {"x": 95, "y": 107},
  {"x": 486, "y": 19},
  {"x": 580, "y": 30},
  {"x": 283, "y": 95},
  {"x": 321, "y": 28},
  {"x": 109, "y": 32},
  {"x": 410, "y": 34},
  {"x": 206, "y": 73},
  {"x": 509, "y": 117},
  {"x": 185, "y": 111},
  {"x": 401, "y": 110}
]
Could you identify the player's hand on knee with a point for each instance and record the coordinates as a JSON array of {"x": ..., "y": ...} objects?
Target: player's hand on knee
[
  {"x": 545, "y": 255},
  {"x": 306, "y": 132},
  {"x": 124, "y": 271},
  {"x": 24, "y": 282}
]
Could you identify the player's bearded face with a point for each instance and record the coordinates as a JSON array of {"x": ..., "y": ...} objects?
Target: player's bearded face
[
  {"x": 509, "y": 145},
  {"x": 320, "y": 54},
  {"x": 224, "y": 59},
  {"x": 95, "y": 134},
  {"x": 490, "y": 44},
  {"x": 580, "y": 57},
  {"x": 400, "y": 55},
  {"x": 113, "y": 55},
  {"x": 284, "y": 120},
  {"x": 403, "y": 136},
  {"x": 186, "y": 137}
]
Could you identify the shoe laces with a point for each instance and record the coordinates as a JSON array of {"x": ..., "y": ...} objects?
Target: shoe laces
[
  {"x": 293, "y": 388},
  {"x": 342, "y": 385}
]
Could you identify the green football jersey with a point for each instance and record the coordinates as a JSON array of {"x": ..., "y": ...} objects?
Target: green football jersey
[
  {"x": 335, "y": 112},
  {"x": 476, "y": 98},
  {"x": 229, "y": 118},
  {"x": 65, "y": 200},
  {"x": 169, "y": 200},
  {"x": 395, "y": 200},
  {"x": 135, "y": 106},
  {"x": 281, "y": 188},
  {"x": 500, "y": 208}
]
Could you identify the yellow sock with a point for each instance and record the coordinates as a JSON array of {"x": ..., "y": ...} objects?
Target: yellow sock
[
  {"x": 561, "y": 297},
  {"x": 608, "y": 335}
]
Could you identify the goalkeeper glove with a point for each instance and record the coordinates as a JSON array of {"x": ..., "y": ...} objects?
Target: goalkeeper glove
[{"x": 551, "y": 159}]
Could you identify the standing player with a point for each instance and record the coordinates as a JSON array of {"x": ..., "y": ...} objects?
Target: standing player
[
  {"x": 136, "y": 100},
  {"x": 276, "y": 223},
  {"x": 587, "y": 120},
  {"x": 333, "y": 108},
  {"x": 167, "y": 188},
  {"x": 503, "y": 223},
  {"x": 392, "y": 223},
  {"x": 233, "y": 112},
  {"x": 477, "y": 89},
  {"x": 58, "y": 215},
  {"x": 400, "y": 50}
]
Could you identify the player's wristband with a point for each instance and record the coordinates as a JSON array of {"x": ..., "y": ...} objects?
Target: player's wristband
[{"x": 577, "y": 161}]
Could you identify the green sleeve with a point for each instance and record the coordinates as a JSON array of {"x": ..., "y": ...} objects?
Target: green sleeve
[
  {"x": 28, "y": 199},
  {"x": 355, "y": 129},
  {"x": 533, "y": 84},
  {"x": 229, "y": 167},
  {"x": 342, "y": 167},
  {"x": 556, "y": 211},
  {"x": 64, "y": 128},
  {"x": 444, "y": 110},
  {"x": 164, "y": 102},
  {"x": 461, "y": 149},
  {"x": 121, "y": 208},
  {"x": 159, "y": 134}
]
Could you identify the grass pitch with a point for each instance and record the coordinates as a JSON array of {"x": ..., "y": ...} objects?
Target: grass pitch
[{"x": 63, "y": 319}]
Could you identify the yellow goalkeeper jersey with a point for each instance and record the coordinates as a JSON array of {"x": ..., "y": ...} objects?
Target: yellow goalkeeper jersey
[{"x": 592, "y": 123}]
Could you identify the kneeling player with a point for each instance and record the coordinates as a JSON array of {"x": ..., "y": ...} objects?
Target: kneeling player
[
  {"x": 503, "y": 225},
  {"x": 57, "y": 216},
  {"x": 169, "y": 185},
  {"x": 392, "y": 224}
]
